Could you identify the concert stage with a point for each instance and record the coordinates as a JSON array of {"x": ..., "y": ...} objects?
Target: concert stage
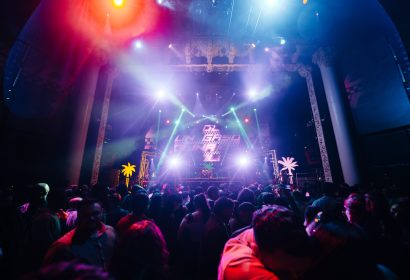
[{"x": 198, "y": 181}]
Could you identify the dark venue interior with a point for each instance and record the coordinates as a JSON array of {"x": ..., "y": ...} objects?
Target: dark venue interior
[{"x": 204, "y": 139}]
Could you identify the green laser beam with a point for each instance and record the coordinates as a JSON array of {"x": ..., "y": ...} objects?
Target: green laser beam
[
  {"x": 181, "y": 105},
  {"x": 158, "y": 124},
  {"x": 174, "y": 131},
  {"x": 258, "y": 127},
  {"x": 242, "y": 131}
]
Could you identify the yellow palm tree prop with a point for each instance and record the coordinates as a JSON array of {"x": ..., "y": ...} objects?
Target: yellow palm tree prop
[{"x": 127, "y": 171}]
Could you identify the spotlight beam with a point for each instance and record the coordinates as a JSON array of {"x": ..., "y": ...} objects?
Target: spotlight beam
[
  {"x": 242, "y": 131},
  {"x": 158, "y": 125},
  {"x": 181, "y": 105},
  {"x": 227, "y": 151},
  {"x": 230, "y": 19},
  {"x": 258, "y": 127},
  {"x": 225, "y": 104},
  {"x": 176, "y": 52},
  {"x": 249, "y": 15},
  {"x": 264, "y": 93},
  {"x": 212, "y": 118},
  {"x": 240, "y": 106},
  {"x": 257, "y": 21},
  {"x": 198, "y": 121},
  {"x": 141, "y": 74},
  {"x": 171, "y": 138},
  {"x": 225, "y": 114}
]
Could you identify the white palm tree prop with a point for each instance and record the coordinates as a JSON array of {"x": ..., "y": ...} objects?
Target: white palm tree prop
[{"x": 289, "y": 164}]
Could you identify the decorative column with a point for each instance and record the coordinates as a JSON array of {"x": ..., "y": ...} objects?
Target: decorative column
[
  {"x": 85, "y": 101},
  {"x": 337, "y": 103},
  {"x": 111, "y": 74}
]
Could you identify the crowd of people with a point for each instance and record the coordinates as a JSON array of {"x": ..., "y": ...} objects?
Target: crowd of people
[{"x": 316, "y": 231}]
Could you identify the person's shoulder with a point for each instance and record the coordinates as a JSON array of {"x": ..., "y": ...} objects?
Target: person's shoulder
[
  {"x": 239, "y": 231},
  {"x": 110, "y": 230},
  {"x": 108, "y": 233},
  {"x": 245, "y": 238},
  {"x": 60, "y": 250},
  {"x": 239, "y": 261},
  {"x": 64, "y": 240},
  {"x": 188, "y": 218},
  {"x": 319, "y": 201},
  {"x": 124, "y": 219}
]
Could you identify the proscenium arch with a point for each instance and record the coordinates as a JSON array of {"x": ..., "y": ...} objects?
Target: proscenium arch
[{"x": 211, "y": 48}]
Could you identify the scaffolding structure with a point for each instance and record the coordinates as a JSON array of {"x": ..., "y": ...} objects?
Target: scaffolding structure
[
  {"x": 274, "y": 160},
  {"x": 145, "y": 165}
]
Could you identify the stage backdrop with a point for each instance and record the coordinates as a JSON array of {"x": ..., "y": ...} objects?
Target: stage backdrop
[{"x": 208, "y": 145}]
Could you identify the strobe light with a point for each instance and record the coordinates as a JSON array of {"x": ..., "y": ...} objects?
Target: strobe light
[
  {"x": 243, "y": 161},
  {"x": 175, "y": 162}
]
